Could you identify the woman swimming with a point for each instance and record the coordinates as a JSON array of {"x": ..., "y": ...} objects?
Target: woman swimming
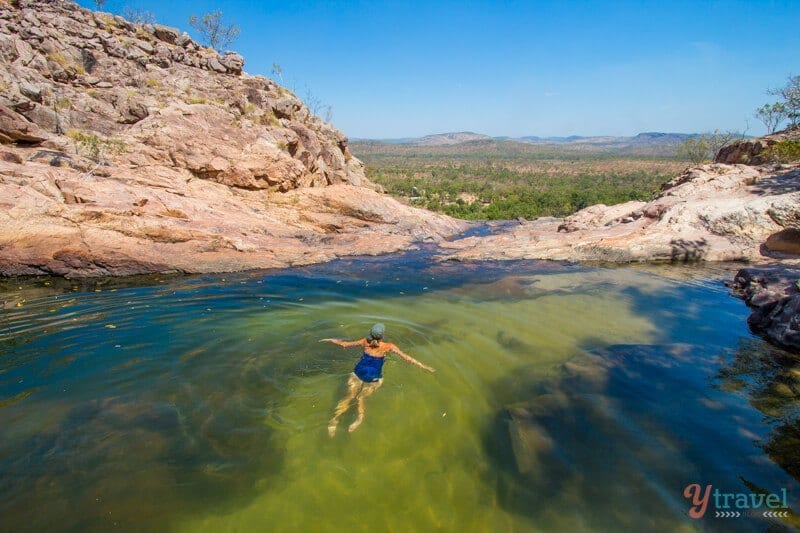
[{"x": 366, "y": 376}]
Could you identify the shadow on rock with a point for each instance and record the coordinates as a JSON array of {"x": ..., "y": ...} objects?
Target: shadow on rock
[
  {"x": 778, "y": 183},
  {"x": 685, "y": 251}
]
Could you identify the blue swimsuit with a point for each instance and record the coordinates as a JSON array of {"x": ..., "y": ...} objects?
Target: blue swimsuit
[{"x": 369, "y": 368}]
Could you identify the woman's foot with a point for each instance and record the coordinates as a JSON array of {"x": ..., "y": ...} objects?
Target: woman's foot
[
  {"x": 355, "y": 424},
  {"x": 332, "y": 429}
]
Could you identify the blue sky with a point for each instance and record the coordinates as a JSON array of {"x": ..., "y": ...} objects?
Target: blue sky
[{"x": 397, "y": 69}]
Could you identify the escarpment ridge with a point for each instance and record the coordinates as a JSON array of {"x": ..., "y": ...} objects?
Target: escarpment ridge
[{"x": 129, "y": 148}]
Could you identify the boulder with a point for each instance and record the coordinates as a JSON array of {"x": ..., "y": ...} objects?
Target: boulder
[
  {"x": 233, "y": 62},
  {"x": 214, "y": 64},
  {"x": 285, "y": 106},
  {"x": 184, "y": 40},
  {"x": 31, "y": 91},
  {"x": 166, "y": 34},
  {"x": 754, "y": 151},
  {"x": 745, "y": 152},
  {"x": 14, "y": 128},
  {"x": 773, "y": 296},
  {"x": 785, "y": 241}
]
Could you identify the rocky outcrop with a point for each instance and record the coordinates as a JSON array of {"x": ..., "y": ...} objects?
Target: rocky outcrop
[
  {"x": 773, "y": 295},
  {"x": 754, "y": 151},
  {"x": 715, "y": 212},
  {"x": 130, "y": 148},
  {"x": 57, "y": 218},
  {"x": 67, "y": 72}
]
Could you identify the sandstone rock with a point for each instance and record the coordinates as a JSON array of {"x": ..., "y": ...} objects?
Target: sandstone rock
[
  {"x": 714, "y": 212},
  {"x": 233, "y": 62},
  {"x": 773, "y": 294},
  {"x": 217, "y": 230},
  {"x": 184, "y": 40},
  {"x": 166, "y": 34},
  {"x": 285, "y": 107},
  {"x": 15, "y": 128},
  {"x": 785, "y": 241},
  {"x": 10, "y": 157},
  {"x": 599, "y": 215},
  {"x": 186, "y": 147},
  {"x": 214, "y": 64},
  {"x": 44, "y": 117},
  {"x": 145, "y": 46},
  {"x": 135, "y": 53},
  {"x": 31, "y": 91},
  {"x": 132, "y": 111},
  {"x": 24, "y": 52},
  {"x": 32, "y": 33},
  {"x": 753, "y": 151},
  {"x": 747, "y": 152},
  {"x": 122, "y": 22}
]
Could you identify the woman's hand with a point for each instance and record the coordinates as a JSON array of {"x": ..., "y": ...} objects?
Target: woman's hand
[
  {"x": 328, "y": 340},
  {"x": 429, "y": 369}
]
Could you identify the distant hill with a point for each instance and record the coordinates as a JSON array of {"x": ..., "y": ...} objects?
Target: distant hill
[
  {"x": 444, "y": 139},
  {"x": 647, "y": 143}
]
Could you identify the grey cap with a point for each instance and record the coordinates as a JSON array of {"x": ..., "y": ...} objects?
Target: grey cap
[{"x": 377, "y": 331}]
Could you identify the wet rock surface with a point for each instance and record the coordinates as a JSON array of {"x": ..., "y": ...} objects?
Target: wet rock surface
[{"x": 773, "y": 295}]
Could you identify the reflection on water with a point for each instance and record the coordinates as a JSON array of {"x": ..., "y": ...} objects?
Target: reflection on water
[{"x": 565, "y": 397}]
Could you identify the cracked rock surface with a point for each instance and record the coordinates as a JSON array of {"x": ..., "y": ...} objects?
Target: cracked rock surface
[{"x": 129, "y": 148}]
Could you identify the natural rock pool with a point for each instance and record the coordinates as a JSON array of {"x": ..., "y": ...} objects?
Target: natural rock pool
[{"x": 566, "y": 398}]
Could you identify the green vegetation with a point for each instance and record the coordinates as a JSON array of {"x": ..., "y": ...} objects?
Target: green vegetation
[
  {"x": 95, "y": 147},
  {"x": 59, "y": 59},
  {"x": 787, "y": 107},
  {"x": 500, "y": 181},
  {"x": 215, "y": 34},
  {"x": 772, "y": 115},
  {"x": 191, "y": 100},
  {"x": 705, "y": 147},
  {"x": 786, "y": 151},
  {"x": 62, "y": 104}
]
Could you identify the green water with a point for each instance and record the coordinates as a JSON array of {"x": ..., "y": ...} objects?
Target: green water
[{"x": 565, "y": 398}]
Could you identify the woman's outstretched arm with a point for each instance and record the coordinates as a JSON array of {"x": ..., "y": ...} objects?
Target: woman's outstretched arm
[
  {"x": 344, "y": 344},
  {"x": 410, "y": 359}
]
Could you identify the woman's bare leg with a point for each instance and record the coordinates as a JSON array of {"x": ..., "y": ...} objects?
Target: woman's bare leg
[
  {"x": 353, "y": 386},
  {"x": 366, "y": 390}
]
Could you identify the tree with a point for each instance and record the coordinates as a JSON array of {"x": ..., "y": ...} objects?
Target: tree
[
  {"x": 216, "y": 34},
  {"x": 277, "y": 70},
  {"x": 790, "y": 93},
  {"x": 705, "y": 147},
  {"x": 771, "y": 115},
  {"x": 719, "y": 140},
  {"x": 317, "y": 106},
  {"x": 695, "y": 149},
  {"x": 138, "y": 16},
  {"x": 100, "y": 4}
]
